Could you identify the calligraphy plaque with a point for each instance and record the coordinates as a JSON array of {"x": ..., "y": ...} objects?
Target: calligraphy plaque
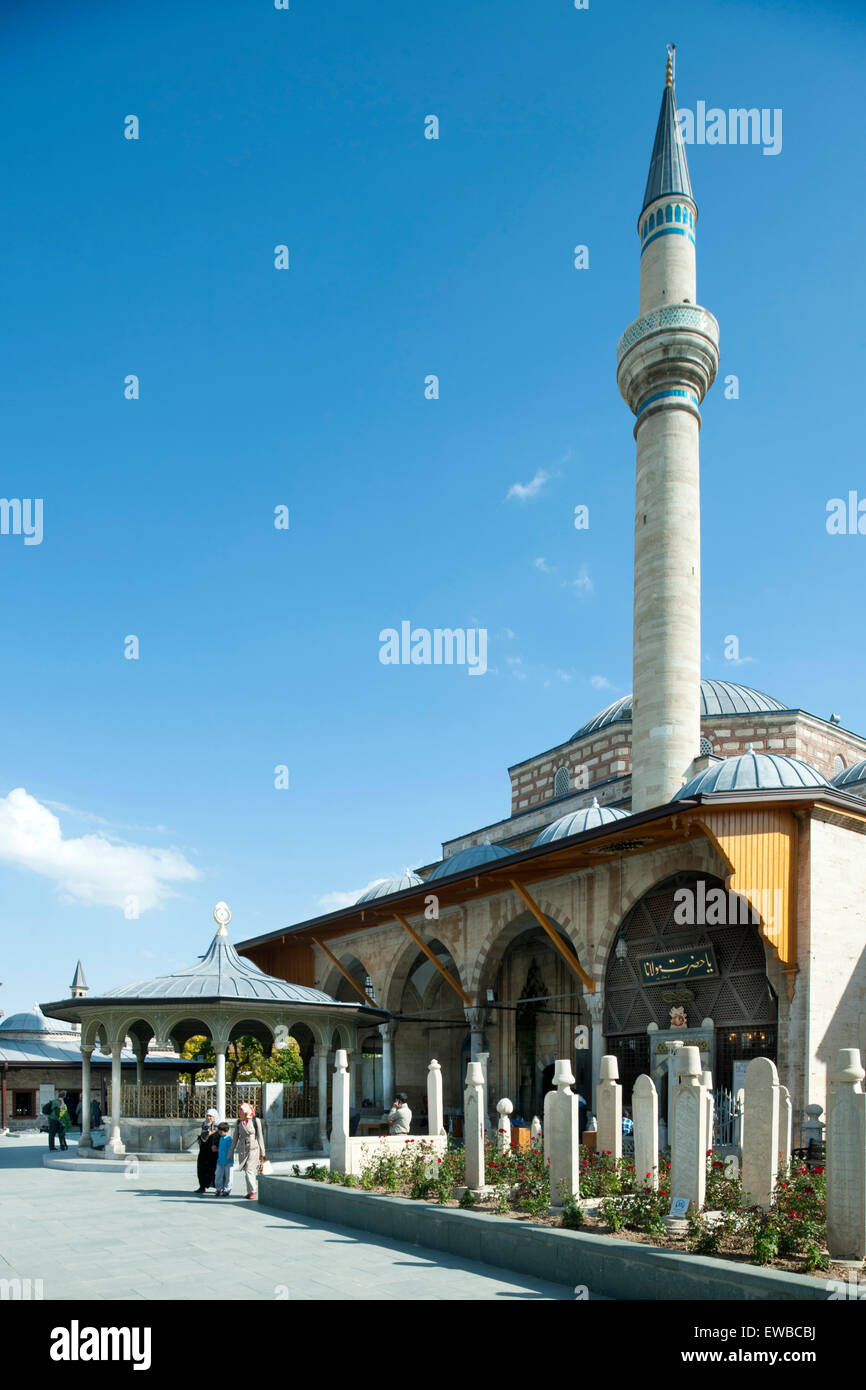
[{"x": 660, "y": 969}]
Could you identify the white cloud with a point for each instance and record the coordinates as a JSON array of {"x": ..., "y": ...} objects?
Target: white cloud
[
  {"x": 332, "y": 902},
  {"x": 523, "y": 491},
  {"x": 507, "y": 632},
  {"x": 582, "y": 585},
  {"x": 599, "y": 682},
  {"x": 91, "y": 869},
  {"x": 563, "y": 675},
  {"x": 541, "y": 564},
  {"x": 514, "y": 660}
]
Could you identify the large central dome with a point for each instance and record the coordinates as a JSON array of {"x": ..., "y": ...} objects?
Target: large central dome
[{"x": 718, "y": 698}]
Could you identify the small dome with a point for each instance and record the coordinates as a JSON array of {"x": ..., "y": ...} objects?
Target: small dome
[
  {"x": 718, "y": 698},
  {"x": 587, "y": 818},
  {"x": 390, "y": 885},
  {"x": 753, "y": 772},
  {"x": 471, "y": 858},
  {"x": 852, "y": 779},
  {"x": 34, "y": 1022}
]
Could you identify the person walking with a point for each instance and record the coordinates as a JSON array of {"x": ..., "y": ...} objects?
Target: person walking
[
  {"x": 248, "y": 1147},
  {"x": 58, "y": 1122},
  {"x": 207, "y": 1152}
]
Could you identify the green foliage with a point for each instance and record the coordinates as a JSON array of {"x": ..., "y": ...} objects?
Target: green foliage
[
  {"x": 765, "y": 1238},
  {"x": 645, "y": 1210},
  {"x": 572, "y": 1213},
  {"x": 613, "y": 1214},
  {"x": 467, "y": 1199},
  {"x": 316, "y": 1173}
]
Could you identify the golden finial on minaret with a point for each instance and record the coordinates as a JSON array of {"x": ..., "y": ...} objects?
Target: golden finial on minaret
[{"x": 669, "y": 70}]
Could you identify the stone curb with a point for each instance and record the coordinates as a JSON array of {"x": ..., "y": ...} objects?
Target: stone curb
[{"x": 617, "y": 1269}]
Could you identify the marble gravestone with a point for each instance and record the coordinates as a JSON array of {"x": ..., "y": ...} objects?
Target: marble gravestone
[
  {"x": 562, "y": 1135},
  {"x": 689, "y": 1140},
  {"x": 761, "y": 1133},
  {"x": 608, "y": 1110},
  {"x": 645, "y": 1113},
  {"x": 473, "y": 1126},
  {"x": 846, "y": 1161}
]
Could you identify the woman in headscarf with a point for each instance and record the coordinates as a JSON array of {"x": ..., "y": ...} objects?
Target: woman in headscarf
[
  {"x": 207, "y": 1151},
  {"x": 249, "y": 1148}
]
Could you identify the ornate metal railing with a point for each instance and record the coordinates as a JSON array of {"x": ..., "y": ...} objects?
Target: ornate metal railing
[
  {"x": 182, "y": 1102},
  {"x": 300, "y": 1101},
  {"x": 672, "y": 316}
]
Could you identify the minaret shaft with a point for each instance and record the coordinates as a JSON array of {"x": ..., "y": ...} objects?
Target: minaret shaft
[{"x": 667, "y": 361}]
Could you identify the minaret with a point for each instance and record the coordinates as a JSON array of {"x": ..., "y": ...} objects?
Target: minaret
[
  {"x": 666, "y": 363},
  {"x": 79, "y": 986}
]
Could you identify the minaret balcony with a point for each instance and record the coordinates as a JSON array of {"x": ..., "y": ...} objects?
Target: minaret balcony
[{"x": 671, "y": 356}]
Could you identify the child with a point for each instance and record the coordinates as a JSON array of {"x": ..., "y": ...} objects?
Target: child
[{"x": 223, "y": 1175}]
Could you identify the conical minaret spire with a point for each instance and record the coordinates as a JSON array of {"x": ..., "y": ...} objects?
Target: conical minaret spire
[{"x": 666, "y": 362}]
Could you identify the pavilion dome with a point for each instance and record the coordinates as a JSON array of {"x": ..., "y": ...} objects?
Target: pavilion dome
[
  {"x": 586, "y": 818},
  {"x": 34, "y": 1022},
  {"x": 718, "y": 699},
  {"x": 753, "y": 772},
  {"x": 473, "y": 857},
  {"x": 390, "y": 885},
  {"x": 852, "y": 779},
  {"x": 220, "y": 974}
]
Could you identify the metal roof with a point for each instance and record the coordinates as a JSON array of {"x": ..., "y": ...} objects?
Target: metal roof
[
  {"x": 220, "y": 974},
  {"x": 575, "y": 822},
  {"x": 469, "y": 858},
  {"x": 753, "y": 772},
  {"x": 853, "y": 778},
  {"x": 718, "y": 699},
  {"x": 390, "y": 885},
  {"x": 668, "y": 171},
  {"x": 34, "y": 1022}
]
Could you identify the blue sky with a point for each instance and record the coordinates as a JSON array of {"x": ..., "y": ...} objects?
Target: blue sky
[{"x": 305, "y": 388}]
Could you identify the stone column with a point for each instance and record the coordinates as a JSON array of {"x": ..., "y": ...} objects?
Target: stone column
[
  {"x": 321, "y": 1055},
  {"x": 608, "y": 1109},
  {"x": 387, "y": 1030},
  {"x": 84, "y": 1141},
  {"x": 562, "y": 1135},
  {"x": 595, "y": 1007},
  {"x": 220, "y": 1053},
  {"x": 477, "y": 1020},
  {"x": 645, "y": 1113},
  {"x": 786, "y": 1125},
  {"x": 340, "y": 1113},
  {"x": 473, "y": 1127},
  {"x": 688, "y": 1130},
  {"x": 435, "y": 1109},
  {"x": 115, "y": 1144},
  {"x": 140, "y": 1053},
  {"x": 503, "y": 1133},
  {"x": 761, "y": 1143},
  {"x": 846, "y": 1161}
]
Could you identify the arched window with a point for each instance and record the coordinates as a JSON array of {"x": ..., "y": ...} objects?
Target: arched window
[
  {"x": 560, "y": 781},
  {"x": 669, "y": 213},
  {"x": 838, "y": 765},
  {"x": 652, "y": 220},
  {"x": 678, "y": 213},
  {"x": 643, "y": 233}
]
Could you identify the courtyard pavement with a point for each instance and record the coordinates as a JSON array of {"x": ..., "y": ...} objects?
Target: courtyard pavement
[{"x": 91, "y": 1235}]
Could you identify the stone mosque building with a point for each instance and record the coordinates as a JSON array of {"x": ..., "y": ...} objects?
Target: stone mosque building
[{"x": 689, "y": 865}]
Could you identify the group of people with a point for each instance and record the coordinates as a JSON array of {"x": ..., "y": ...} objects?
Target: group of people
[
  {"x": 60, "y": 1119},
  {"x": 218, "y": 1148}
]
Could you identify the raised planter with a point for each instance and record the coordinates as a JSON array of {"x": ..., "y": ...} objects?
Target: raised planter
[{"x": 618, "y": 1269}]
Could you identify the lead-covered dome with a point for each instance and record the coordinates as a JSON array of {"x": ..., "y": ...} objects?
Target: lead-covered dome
[
  {"x": 586, "y": 818},
  {"x": 473, "y": 857},
  {"x": 753, "y": 772},
  {"x": 718, "y": 699},
  {"x": 852, "y": 779},
  {"x": 221, "y": 974},
  {"x": 386, "y": 886},
  {"x": 34, "y": 1022}
]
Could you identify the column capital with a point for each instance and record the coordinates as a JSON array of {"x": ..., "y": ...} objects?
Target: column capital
[
  {"x": 388, "y": 1030},
  {"x": 476, "y": 1017},
  {"x": 594, "y": 1005}
]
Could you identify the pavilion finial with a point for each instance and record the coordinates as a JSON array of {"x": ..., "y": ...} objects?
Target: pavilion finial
[
  {"x": 222, "y": 916},
  {"x": 670, "y": 69}
]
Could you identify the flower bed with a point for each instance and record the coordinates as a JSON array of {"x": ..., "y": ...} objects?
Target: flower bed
[{"x": 790, "y": 1237}]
